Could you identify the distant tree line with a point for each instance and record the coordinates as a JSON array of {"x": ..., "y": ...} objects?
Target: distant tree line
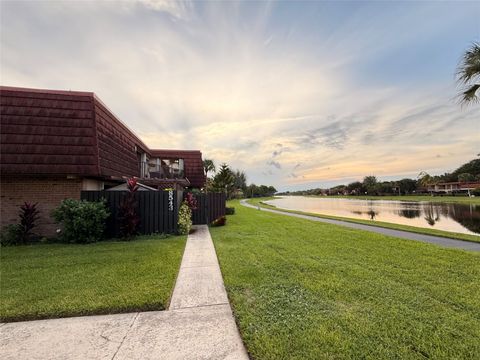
[
  {"x": 233, "y": 182},
  {"x": 469, "y": 172}
]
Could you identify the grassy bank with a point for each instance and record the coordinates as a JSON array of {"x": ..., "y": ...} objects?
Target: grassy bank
[
  {"x": 414, "y": 198},
  {"x": 58, "y": 280},
  {"x": 261, "y": 202},
  {"x": 308, "y": 290}
]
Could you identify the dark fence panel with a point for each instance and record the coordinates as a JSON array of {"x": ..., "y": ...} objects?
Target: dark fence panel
[
  {"x": 158, "y": 210},
  {"x": 199, "y": 216},
  {"x": 216, "y": 206},
  {"x": 209, "y": 207}
]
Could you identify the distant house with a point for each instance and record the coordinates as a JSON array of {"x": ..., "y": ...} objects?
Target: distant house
[
  {"x": 453, "y": 187},
  {"x": 56, "y": 143}
]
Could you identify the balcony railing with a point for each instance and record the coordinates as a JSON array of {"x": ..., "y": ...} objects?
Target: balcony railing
[{"x": 154, "y": 171}]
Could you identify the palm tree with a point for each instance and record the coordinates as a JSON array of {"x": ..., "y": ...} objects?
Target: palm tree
[
  {"x": 208, "y": 166},
  {"x": 424, "y": 179},
  {"x": 468, "y": 74}
]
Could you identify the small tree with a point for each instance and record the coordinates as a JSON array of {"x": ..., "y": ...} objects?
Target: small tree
[
  {"x": 129, "y": 219},
  {"x": 224, "y": 180},
  {"x": 28, "y": 218},
  {"x": 370, "y": 184}
]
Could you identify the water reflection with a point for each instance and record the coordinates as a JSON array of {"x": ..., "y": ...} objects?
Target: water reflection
[
  {"x": 371, "y": 214},
  {"x": 462, "y": 218},
  {"x": 468, "y": 216},
  {"x": 409, "y": 213},
  {"x": 432, "y": 214}
]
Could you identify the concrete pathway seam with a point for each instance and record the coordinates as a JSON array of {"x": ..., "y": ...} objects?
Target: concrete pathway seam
[
  {"x": 202, "y": 306},
  {"x": 437, "y": 240},
  {"x": 126, "y": 334},
  {"x": 193, "y": 266}
]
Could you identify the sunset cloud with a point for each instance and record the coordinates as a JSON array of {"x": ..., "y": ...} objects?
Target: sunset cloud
[{"x": 297, "y": 96}]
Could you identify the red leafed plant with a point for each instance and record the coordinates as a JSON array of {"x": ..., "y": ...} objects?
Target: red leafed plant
[
  {"x": 129, "y": 219},
  {"x": 28, "y": 218},
  {"x": 132, "y": 185},
  {"x": 191, "y": 201},
  {"x": 221, "y": 221}
]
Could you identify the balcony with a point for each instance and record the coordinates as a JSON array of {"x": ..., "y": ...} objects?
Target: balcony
[{"x": 162, "y": 169}]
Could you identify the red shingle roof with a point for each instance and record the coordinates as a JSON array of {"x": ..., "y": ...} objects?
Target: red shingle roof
[
  {"x": 55, "y": 132},
  {"x": 47, "y": 132}
]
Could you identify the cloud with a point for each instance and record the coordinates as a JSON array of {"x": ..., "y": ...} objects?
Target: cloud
[
  {"x": 275, "y": 164},
  {"x": 178, "y": 9},
  {"x": 250, "y": 87},
  {"x": 279, "y": 150}
]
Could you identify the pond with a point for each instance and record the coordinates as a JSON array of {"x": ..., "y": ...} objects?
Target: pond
[{"x": 459, "y": 218}]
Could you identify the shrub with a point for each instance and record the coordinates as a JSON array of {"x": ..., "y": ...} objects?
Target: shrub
[
  {"x": 10, "y": 235},
  {"x": 129, "y": 219},
  {"x": 184, "y": 219},
  {"x": 28, "y": 218},
  {"x": 82, "y": 221},
  {"x": 221, "y": 221},
  {"x": 475, "y": 192},
  {"x": 196, "y": 191},
  {"x": 191, "y": 201},
  {"x": 21, "y": 233},
  {"x": 230, "y": 210}
]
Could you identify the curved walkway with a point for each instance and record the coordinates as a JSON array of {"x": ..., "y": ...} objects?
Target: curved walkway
[{"x": 447, "y": 242}]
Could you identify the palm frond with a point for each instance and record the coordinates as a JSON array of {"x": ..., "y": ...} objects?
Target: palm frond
[
  {"x": 468, "y": 72},
  {"x": 469, "y": 67},
  {"x": 470, "y": 94}
]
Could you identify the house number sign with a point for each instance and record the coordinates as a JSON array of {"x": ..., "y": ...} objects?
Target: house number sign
[{"x": 170, "y": 200}]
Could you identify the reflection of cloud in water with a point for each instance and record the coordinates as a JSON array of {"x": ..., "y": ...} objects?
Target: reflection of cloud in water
[{"x": 461, "y": 218}]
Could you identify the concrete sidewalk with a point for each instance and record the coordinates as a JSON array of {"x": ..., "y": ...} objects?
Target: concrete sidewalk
[
  {"x": 442, "y": 241},
  {"x": 198, "y": 325}
]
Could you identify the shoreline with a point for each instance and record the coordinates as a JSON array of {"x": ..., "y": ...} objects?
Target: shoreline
[{"x": 418, "y": 230}]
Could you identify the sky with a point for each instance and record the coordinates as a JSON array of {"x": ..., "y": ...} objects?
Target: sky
[{"x": 297, "y": 94}]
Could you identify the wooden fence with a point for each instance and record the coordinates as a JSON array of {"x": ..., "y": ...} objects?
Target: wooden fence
[
  {"x": 209, "y": 207},
  {"x": 158, "y": 210}
]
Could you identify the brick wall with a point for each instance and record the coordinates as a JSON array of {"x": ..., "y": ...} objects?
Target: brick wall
[{"x": 48, "y": 192}]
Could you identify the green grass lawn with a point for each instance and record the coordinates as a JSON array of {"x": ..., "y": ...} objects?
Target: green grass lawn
[
  {"x": 416, "y": 198},
  {"x": 307, "y": 290},
  {"x": 58, "y": 280},
  {"x": 475, "y": 238}
]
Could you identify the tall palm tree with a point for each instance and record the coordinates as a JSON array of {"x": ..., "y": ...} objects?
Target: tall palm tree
[
  {"x": 424, "y": 179},
  {"x": 468, "y": 74},
  {"x": 208, "y": 166}
]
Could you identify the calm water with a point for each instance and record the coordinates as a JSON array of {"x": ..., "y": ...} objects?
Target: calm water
[{"x": 460, "y": 218}]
